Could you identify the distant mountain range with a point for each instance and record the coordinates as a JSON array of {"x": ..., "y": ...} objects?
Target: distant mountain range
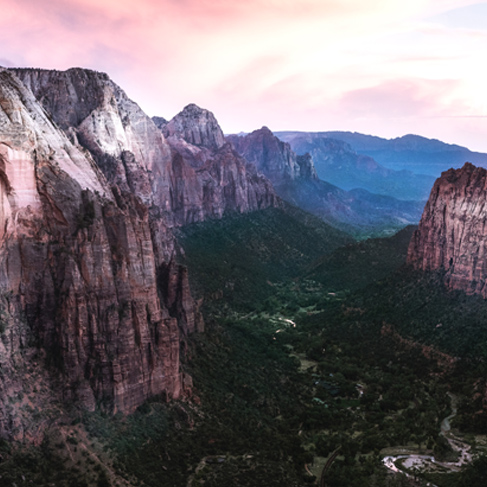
[
  {"x": 297, "y": 179},
  {"x": 414, "y": 153},
  {"x": 337, "y": 162}
]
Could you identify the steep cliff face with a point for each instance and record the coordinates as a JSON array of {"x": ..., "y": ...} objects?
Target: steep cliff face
[
  {"x": 452, "y": 234},
  {"x": 295, "y": 180},
  {"x": 208, "y": 177},
  {"x": 307, "y": 168},
  {"x": 82, "y": 266},
  {"x": 197, "y": 127},
  {"x": 174, "y": 166},
  {"x": 272, "y": 157},
  {"x": 90, "y": 190},
  {"x": 98, "y": 116}
]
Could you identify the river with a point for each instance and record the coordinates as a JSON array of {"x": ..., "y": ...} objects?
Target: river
[{"x": 397, "y": 463}]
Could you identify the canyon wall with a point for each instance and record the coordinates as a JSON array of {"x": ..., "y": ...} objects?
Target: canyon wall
[
  {"x": 274, "y": 158},
  {"x": 452, "y": 234},
  {"x": 295, "y": 180},
  {"x": 92, "y": 301}
]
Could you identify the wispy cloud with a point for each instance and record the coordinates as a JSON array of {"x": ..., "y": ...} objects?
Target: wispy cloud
[
  {"x": 283, "y": 63},
  {"x": 404, "y": 98}
]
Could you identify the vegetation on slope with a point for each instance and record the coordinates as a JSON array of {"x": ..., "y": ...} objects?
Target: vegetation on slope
[
  {"x": 289, "y": 370},
  {"x": 239, "y": 257},
  {"x": 358, "y": 264}
]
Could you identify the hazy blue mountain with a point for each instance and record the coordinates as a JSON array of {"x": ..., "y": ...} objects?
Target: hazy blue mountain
[
  {"x": 295, "y": 180},
  {"x": 410, "y": 152},
  {"x": 338, "y": 162}
]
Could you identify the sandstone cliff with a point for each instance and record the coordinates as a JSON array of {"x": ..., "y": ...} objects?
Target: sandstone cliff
[
  {"x": 452, "y": 234},
  {"x": 272, "y": 157},
  {"x": 179, "y": 172},
  {"x": 209, "y": 177},
  {"x": 197, "y": 127},
  {"x": 90, "y": 190}
]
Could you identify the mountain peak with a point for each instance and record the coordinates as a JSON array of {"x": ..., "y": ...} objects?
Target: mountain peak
[
  {"x": 194, "y": 109},
  {"x": 69, "y": 96},
  {"x": 272, "y": 157},
  {"x": 160, "y": 122},
  {"x": 197, "y": 126}
]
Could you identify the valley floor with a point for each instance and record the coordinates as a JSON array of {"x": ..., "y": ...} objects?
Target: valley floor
[{"x": 290, "y": 369}]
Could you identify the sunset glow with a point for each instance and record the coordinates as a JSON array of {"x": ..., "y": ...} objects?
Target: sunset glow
[{"x": 383, "y": 67}]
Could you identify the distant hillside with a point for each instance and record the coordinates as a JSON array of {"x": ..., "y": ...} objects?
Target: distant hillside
[
  {"x": 411, "y": 152},
  {"x": 340, "y": 163},
  {"x": 357, "y": 212}
]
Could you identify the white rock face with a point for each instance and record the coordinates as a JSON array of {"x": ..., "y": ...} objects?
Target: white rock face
[
  {"x": 89, "y": 192},
  {"x": 19, "y": 170},
  {"x": 28, "y": 136},
  {"x": 103, "y": 119},
  {"x": 82, "y": 247},
  {"x": 177, "y": 170}
]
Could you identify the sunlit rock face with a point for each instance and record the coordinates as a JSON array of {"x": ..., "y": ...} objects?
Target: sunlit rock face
[
  {"x": 173, "y": 165},
  {"x": 90, "y": 190},
  {"x": 99, "y": 117},
  {"x": 452, "y": 234}
]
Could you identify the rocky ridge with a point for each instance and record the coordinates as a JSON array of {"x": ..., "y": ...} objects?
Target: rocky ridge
[
  {"x": 272, "y": 157},
  {"x": 411, "y": 152},
  {"x": 210, "y": 178},
  {"x": 452, "y": 234},
  {"x": 197, "y": 127},
  {"x": 90, "y": 190}
]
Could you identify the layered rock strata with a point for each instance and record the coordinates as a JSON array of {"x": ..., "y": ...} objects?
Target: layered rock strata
[
  {"x": 90, "y": 190},
  {"x": 209, "y": 177},
  {"x": 452, "y": 234}
]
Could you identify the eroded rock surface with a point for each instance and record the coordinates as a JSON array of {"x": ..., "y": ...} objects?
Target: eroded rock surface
[
  {"x": 90, "y": 190},
  {"x": 196, "y": 126},
  {"x": 452, "y": 234},
  {"x": 295, "y": 180}
]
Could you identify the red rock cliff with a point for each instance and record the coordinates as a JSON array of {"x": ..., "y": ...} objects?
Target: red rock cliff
[
  {"x": 184, "y": 169},
  {"x": 90, "y": 190},
  {"x": 452, "y": 233}
]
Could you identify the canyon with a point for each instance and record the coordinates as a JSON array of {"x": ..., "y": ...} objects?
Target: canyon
[
  {"x": 298, "y": 180},
  {"x": 124, "y": 237}
]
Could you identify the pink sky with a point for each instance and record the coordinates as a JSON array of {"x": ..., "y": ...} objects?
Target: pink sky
[{"x": 383, "y": 67}]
